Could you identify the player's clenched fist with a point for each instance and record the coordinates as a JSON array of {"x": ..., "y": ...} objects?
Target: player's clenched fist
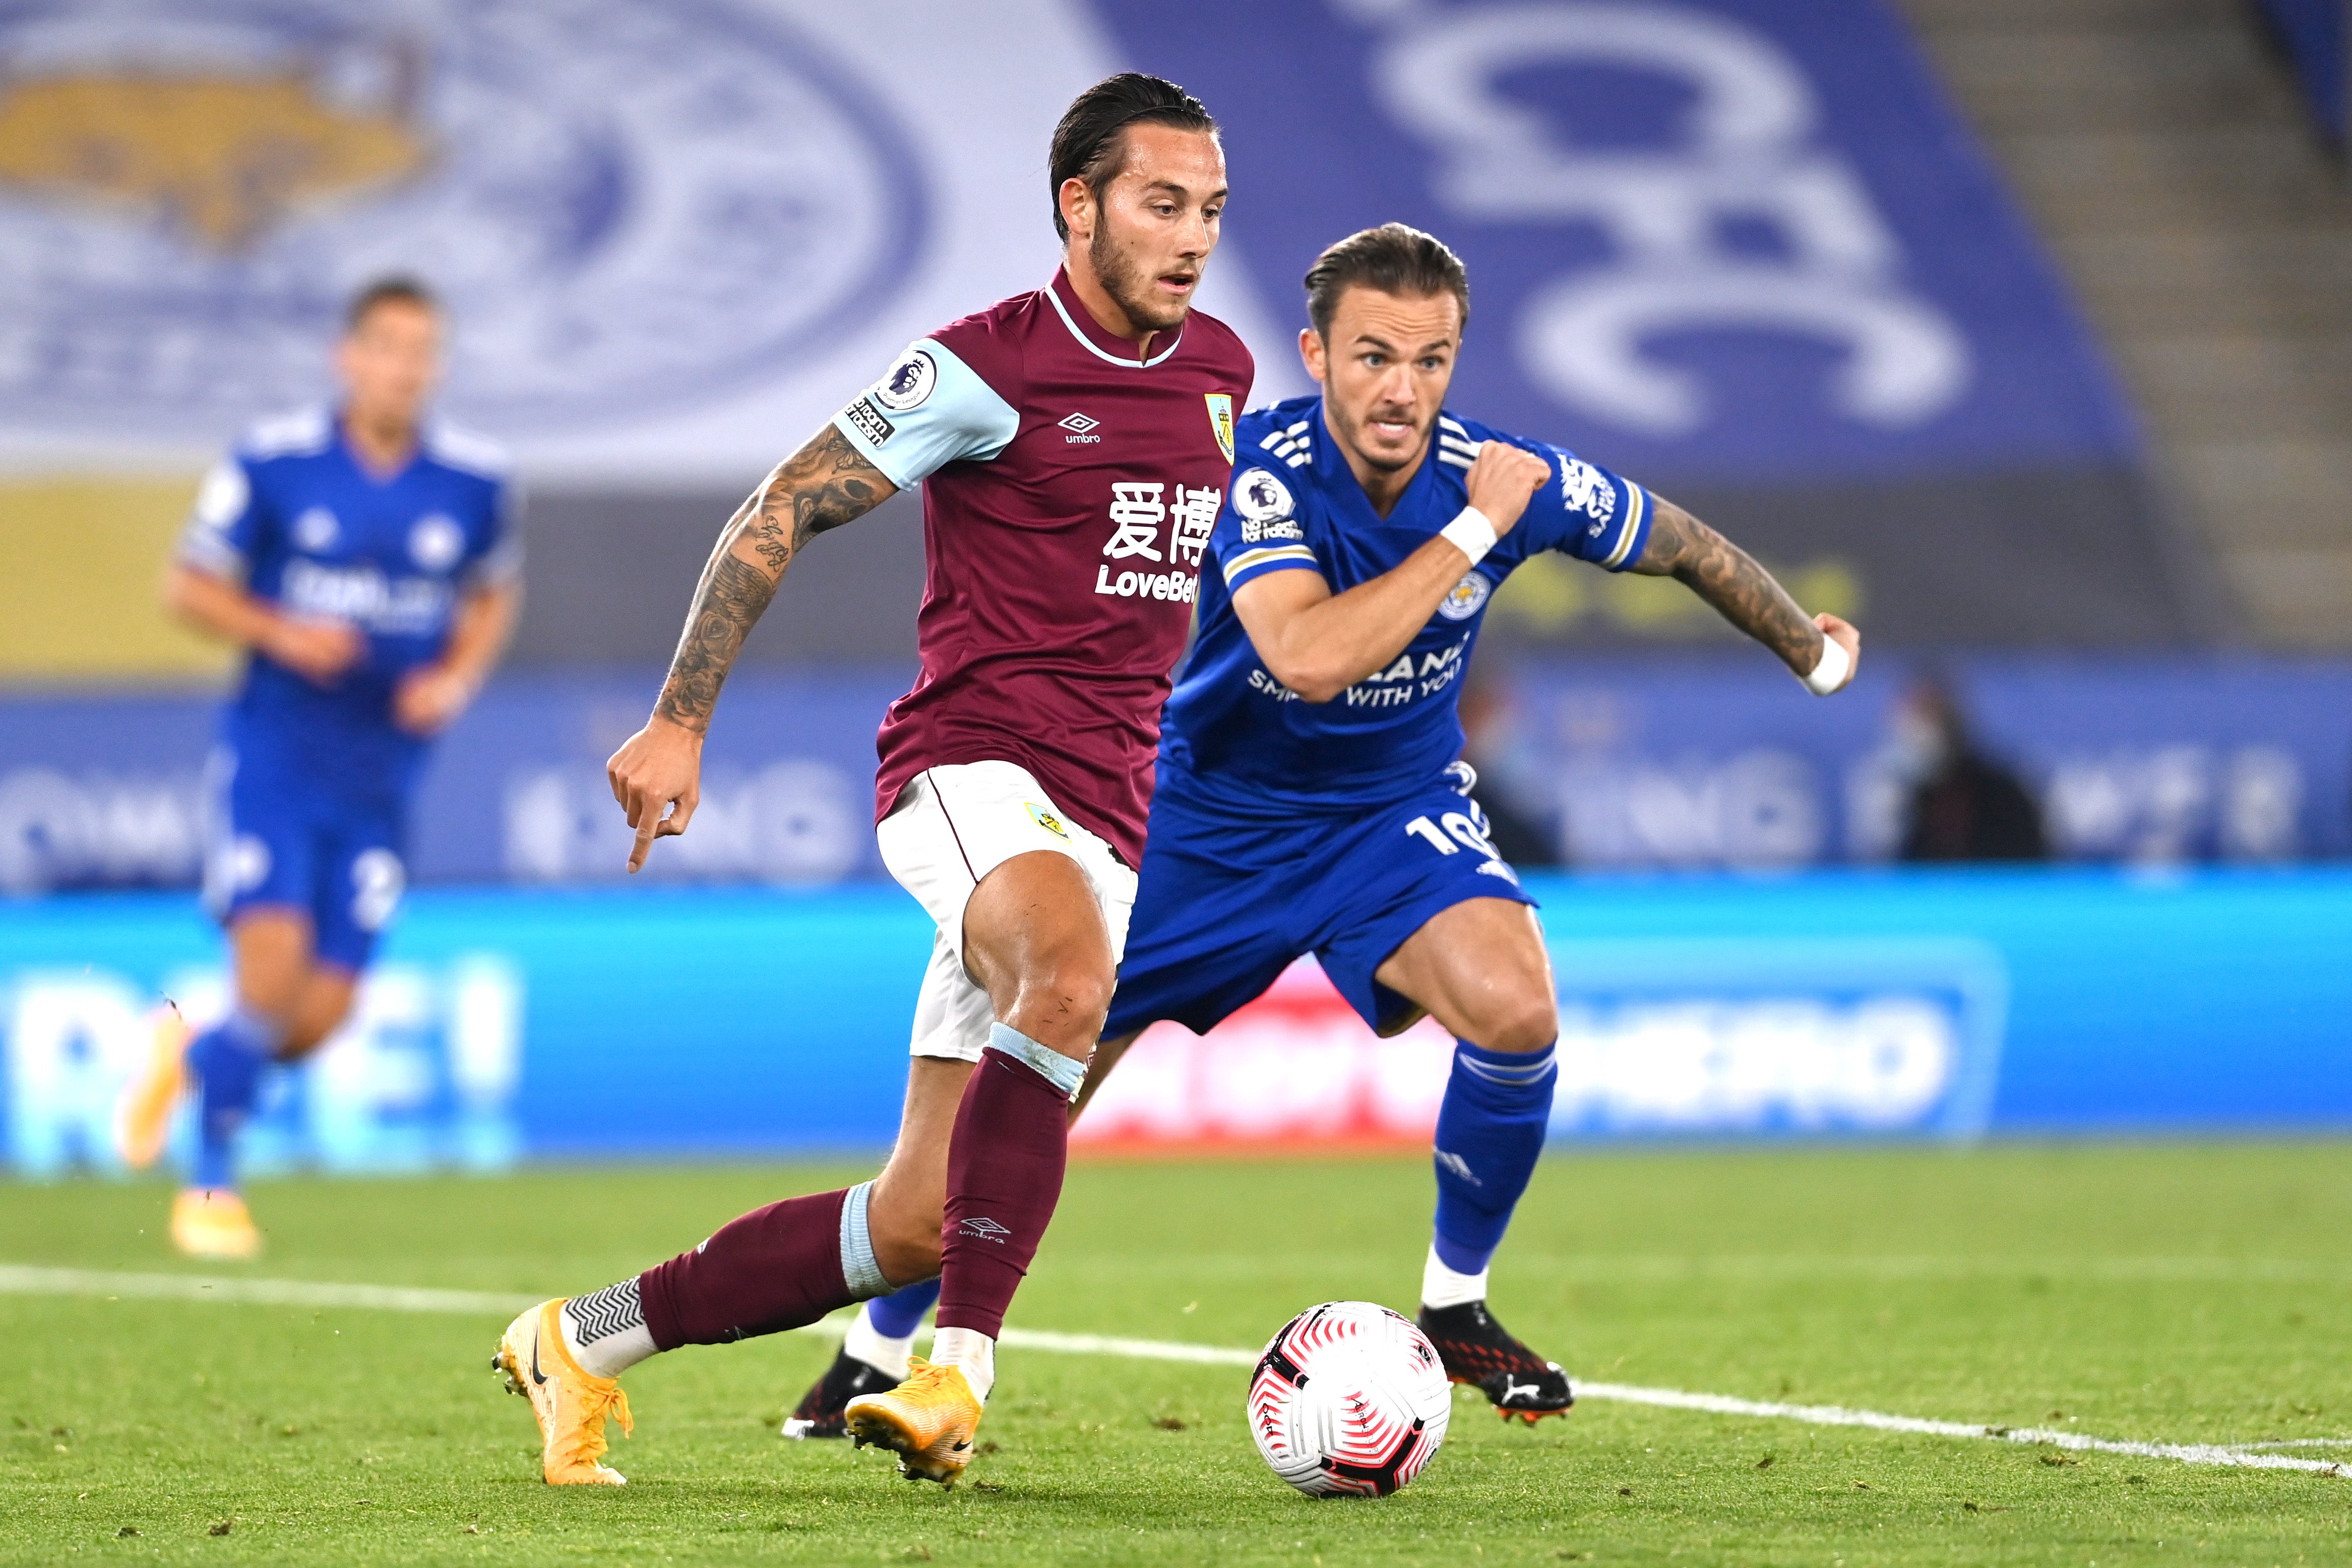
[
  {"x": 658, "y": 766},
  {"x": 1503, "y": 481}
]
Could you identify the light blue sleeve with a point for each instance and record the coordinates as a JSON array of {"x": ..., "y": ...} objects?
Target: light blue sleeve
[
  {"x": 223, "y": 531},
  {"x": 929, "y": 411}
]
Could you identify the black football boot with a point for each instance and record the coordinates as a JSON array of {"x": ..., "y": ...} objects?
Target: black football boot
[
  {"x": 819, "y": 1413},
  {"x": 1479, "y": 1350}
]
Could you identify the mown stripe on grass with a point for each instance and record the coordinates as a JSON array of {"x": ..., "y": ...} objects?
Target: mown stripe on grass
[{"x": 22, "y": 1280}]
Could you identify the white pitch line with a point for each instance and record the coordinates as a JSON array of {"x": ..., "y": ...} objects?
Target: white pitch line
[
  {"x": 19, "y": 1280},
  {"x": 1838, "y": 1416}
]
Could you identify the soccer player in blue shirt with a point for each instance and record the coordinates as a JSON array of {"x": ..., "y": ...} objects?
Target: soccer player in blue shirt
[
  {"x": 365, "y": 558},
  {"x": 1311, "y": 796}
]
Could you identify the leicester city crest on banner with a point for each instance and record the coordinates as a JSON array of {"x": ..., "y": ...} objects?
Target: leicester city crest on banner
[
  {"x": 1221, "y": 420},
  {"x": 613, "y": 240}
]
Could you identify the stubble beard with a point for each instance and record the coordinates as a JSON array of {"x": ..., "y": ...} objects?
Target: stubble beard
[
  {"x": 1355, "y": 434},
  {"x": 1129, "y": 287}
]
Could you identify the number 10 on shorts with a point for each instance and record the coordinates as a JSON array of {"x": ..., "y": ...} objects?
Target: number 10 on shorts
[{"x": 1467, "y": 832}]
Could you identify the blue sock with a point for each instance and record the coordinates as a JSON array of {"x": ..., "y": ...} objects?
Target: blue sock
[
  {"x": 226, "y": 1061},
  {"x": 901, "y": 1313},
  {"x": 1490, "y": 1130}
]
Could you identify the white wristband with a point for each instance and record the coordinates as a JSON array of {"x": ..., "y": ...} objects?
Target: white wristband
[
  {"x": 1470, "y": 533},
  {"x": 1830, "y": 671}
]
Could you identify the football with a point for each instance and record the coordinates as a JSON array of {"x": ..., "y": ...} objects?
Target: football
[{"x": 1349, "y": 1399}]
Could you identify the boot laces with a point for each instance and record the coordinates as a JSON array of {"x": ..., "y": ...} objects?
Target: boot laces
[
  {"x": 927, "y": 1381},
  {"x": 596, "y": 1405}
]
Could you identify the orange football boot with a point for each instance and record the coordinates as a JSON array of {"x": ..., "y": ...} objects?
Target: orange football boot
[
  {"x": 572, "y": 1406},
  {"x": 928, "y": 1421},
  {"x": 142, "y": 1117},
  {"x": 212, "y": 1222}
]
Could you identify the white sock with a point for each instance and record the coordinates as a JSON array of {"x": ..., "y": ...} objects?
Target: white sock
[
  {"x": 1442, "y": 1287},
  {"x": 606, "y": 1332},
  {"x": 970, "y": 1351},
  {"x": 866, "y": 1343}
]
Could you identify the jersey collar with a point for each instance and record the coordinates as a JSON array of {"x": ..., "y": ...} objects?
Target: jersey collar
[
  {"x": 1097, "y": 343},
  {"x": 376, "y": 478}
]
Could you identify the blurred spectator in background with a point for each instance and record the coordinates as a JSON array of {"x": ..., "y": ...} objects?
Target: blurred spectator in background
[
  {"x": 1491, "y": 745},
  {"x": 1961, "y": 805}
]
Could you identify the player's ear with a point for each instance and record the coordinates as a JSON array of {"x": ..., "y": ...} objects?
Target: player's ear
[
  {"x": 1310, "y": 351},
  {"x": 1077, "y": 202}
]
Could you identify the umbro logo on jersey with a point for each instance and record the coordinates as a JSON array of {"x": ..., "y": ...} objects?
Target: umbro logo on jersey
[
  {"x": 983, "y": 1228},
  {"x": 1082, "y": 430}
]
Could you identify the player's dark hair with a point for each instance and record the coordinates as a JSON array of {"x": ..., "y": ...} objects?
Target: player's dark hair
[
  {"x": 1395, "y": 258},
  {"x": 1090, "y": 143},
  {"x": 399, "y": 288}
]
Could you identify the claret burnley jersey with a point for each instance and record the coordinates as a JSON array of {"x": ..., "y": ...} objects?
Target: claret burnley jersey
[
  {"x": 1069, "y": 489},
  {"x": 293, "y": 516},
  {"x": 1236, "y": 736}
]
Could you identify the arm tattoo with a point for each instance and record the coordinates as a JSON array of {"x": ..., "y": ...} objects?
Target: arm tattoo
[
  {"x": 823, "y": 485},
  {"x": 1726, "y": 577}
]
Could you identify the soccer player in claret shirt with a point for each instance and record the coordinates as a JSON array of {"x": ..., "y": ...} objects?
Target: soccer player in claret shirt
[
  {"x": 365, "y": 558},
  {"x": 1310, "y": 796},
  {"x": 1073, "y": 445}
]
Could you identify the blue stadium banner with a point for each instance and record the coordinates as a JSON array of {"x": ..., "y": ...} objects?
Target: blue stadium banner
[
  {"x": 501, "y": 1026},
  {"x": 1723, "y": 237},
  {"x": 2318, "y": 35},
  {"x": 1693, "y": 764}
]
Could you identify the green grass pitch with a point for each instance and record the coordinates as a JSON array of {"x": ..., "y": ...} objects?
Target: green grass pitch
[{"x": 2164, "y": 1293}]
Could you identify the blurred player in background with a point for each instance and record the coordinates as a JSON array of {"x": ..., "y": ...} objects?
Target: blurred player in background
[
  {"x": 1072, "y": 445},
  {"x": 1310, "y": 796},
  {"x": 366, "y": 560}
]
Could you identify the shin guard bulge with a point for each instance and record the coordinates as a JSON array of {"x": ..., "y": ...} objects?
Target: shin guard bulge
[
  {"x": 776, "y": 1267},
  {"x": 1005, "y": 1161},
  {"x": 1490, "y": 1132}
]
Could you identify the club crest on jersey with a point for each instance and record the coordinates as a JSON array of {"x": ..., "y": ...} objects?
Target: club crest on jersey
[
  {"x": 436, "y": 542},
  {"x": 909, "y": 383},
  {"x": 315, "y": 529},
  {"x": 1047, "y": 819},
  {"x": 1469, "y": 597},
  {"x": 1221, "y": 420}
]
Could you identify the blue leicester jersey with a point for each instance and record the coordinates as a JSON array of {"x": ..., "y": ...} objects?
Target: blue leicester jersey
[
  {"x": 1236, "y": 736},
  {"x": 293, "y": 515}
]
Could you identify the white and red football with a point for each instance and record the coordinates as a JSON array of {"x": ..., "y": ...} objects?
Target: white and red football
[{"x": 1349, "y": 1399}]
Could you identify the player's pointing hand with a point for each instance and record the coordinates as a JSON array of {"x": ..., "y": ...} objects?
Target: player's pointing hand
[
  {"x": 1503, "y": 481},
  {"x": 657, "y": 769}
]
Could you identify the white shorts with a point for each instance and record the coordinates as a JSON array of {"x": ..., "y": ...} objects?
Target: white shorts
[{"x": 951, "y": 827}]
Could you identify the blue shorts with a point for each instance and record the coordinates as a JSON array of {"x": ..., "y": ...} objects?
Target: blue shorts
[
  {"x": 278, "y": 841},
  {"x": 1225, "y": 904}
]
